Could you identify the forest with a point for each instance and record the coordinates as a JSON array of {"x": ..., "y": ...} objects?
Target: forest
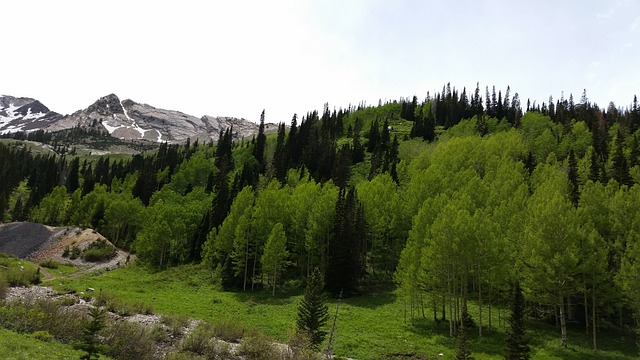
[{"x": 451, "y": 198}]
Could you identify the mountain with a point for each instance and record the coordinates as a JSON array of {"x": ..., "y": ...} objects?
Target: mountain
[
  {"x": 123, "y": 119},
  {"x": 21, "y": 113}
]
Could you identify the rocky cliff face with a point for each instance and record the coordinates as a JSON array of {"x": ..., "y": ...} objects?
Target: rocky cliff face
[
  {"x": 128, "y": 120},
  {"x": 20, "y": 113}
]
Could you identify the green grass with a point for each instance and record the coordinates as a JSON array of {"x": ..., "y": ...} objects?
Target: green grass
[
  {"x": 14, "y": 346},
  {"x": 368, "y": 327}
]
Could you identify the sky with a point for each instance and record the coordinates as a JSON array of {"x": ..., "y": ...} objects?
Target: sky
[{"x": 236, "y": 58}]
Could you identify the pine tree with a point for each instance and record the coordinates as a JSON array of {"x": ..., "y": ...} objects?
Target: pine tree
[
  {"x": 261, "y": 139},
  {"x": 463, "y": 352},
  {"x": 89, "y": 340},
  {"x": 313, "y": 311},
  {"x": 73, "y": 182},
  {"x": 517, "y": 343}
]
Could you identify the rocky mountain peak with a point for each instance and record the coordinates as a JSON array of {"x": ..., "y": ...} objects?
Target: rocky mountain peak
[{"x": 106, "y": 106}]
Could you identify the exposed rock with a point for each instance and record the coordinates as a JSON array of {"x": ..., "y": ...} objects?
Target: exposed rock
[{"x": 20, "y": 113}]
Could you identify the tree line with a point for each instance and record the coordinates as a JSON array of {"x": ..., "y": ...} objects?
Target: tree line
[{"x": 472, "y": 199}]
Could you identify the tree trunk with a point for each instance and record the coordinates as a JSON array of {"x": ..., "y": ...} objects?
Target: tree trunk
[
  {"x": 593, "y": 314},
  {"x": 253, "y": 272},
  {"x": 451, "y": 330},
  {"x": 444, "y": 307},
  {"x": 246, "y": 264},
  {"x": 586, "y": 308},
  {"x": 490, "y": 298},
  {"x": 275, "y": 274},
  {"x": 435, "y": 309},
  {"x": 480, "y": 306},
  {"x": 563, "y": 323}
]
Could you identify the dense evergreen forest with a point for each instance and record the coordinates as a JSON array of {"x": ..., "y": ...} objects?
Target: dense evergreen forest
[{"x": 454, "y": 197}]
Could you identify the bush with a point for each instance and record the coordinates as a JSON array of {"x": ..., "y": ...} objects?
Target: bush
[
  {"x": 199, "y": 339},
  {"x": 126, "y": 340},
  {"x": 75, "y": 253},
  {"x": 43, "y": 335},
  {"x": 228, "y": 329},
  {"x": 256, "y": 346},
  {"x": 49, "y": 264},
  {"x": 175, "y": 323},
  {"x": 4, "y": 288},
  {"x": 99, "y": 250},
  {"x": 120, "y": 307},
  {"x": 42, "y": 315},
  {"x": 21, "y": 276},
  {"x": 158, "y": 333}
]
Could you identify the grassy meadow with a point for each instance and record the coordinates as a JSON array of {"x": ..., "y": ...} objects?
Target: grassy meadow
[{"x": 368, "y": 327}]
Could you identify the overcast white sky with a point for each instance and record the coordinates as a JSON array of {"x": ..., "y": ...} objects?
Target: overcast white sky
[{"x": 235, "y": 58}]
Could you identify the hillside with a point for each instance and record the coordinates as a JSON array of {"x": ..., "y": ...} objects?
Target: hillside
[{"x": 446, "y": 201}]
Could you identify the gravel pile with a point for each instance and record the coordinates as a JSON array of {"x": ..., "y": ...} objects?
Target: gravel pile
[{"x": 22, "y": 238}]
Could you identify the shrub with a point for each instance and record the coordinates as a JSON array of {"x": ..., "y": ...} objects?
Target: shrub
[
  {"x": 300, "y": 348},
  {"x": 75, "y": 253},
  {"x": 29, "y": 316},
  {"x": 126, "y": 340},
  {"x": 256, "y": 346},
  {"x": 49, "y": 264},
  {"x": 175, "y": 323},
  {"x": 199, "y": 339},
  {"x": 43, "y": 335},
  {"x": 4, "y": 288},
  {"x": 158, "y": 333},
  {"x": 66, "y": 252},
  {"x": 20, "y": 276},
  {"x": 228, "y": 329},
  {"x": 99, "y": 250},
  {"x": 120, "y": 307}
]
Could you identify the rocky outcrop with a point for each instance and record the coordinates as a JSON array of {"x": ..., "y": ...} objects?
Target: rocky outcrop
[
  {"x": 23, "y": 114},
  {"x": 130, "y": 120}
]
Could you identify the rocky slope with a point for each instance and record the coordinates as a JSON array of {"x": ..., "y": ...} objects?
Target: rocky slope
[
  {"x": 20, "y": 113},
  {"x": 123, "y": 119}
]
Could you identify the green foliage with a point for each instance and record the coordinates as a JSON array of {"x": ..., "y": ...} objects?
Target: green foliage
[
  {"x": 99, "y": 250},
  {"x": 462, "y": 350},
  {"x": 275, "y": 254},
  {"x": 41, "y": 315},
  {"x": 256, "y": 346},
  {"x": 313, "y": 311},
  {"x": 89, "y": 342},
  {"x": 517, "y": 340},
  {"x": 125, "y": 340},
  {"x": 49, "y": 264},
  {"x": 18, "y": 275},
  {"x": 29, "y": 347}
]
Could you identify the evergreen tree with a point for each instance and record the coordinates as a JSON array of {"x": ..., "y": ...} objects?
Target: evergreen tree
[
  {"x": 517, "y": 343},
  {"x": 73, "y": 181},
  {"x": 462, "y": 351},
  {"x": 620, "y": 165},
  {"x": 280, "y": 161},
  {"x": 313, "y": 311},
  {"x": 89, "y": 336},
  {"x": 374, "y": 137},
  {"x": 345, "y": 263},
  {"x": 261, "y": 139}
]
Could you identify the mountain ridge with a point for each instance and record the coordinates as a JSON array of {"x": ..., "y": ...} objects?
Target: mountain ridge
[{"x": 123, "y": 119}]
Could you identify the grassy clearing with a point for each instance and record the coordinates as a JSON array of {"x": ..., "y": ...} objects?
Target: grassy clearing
[
  {"x": 368, "y": 327},
  {"x": 14, "y": 346}
]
